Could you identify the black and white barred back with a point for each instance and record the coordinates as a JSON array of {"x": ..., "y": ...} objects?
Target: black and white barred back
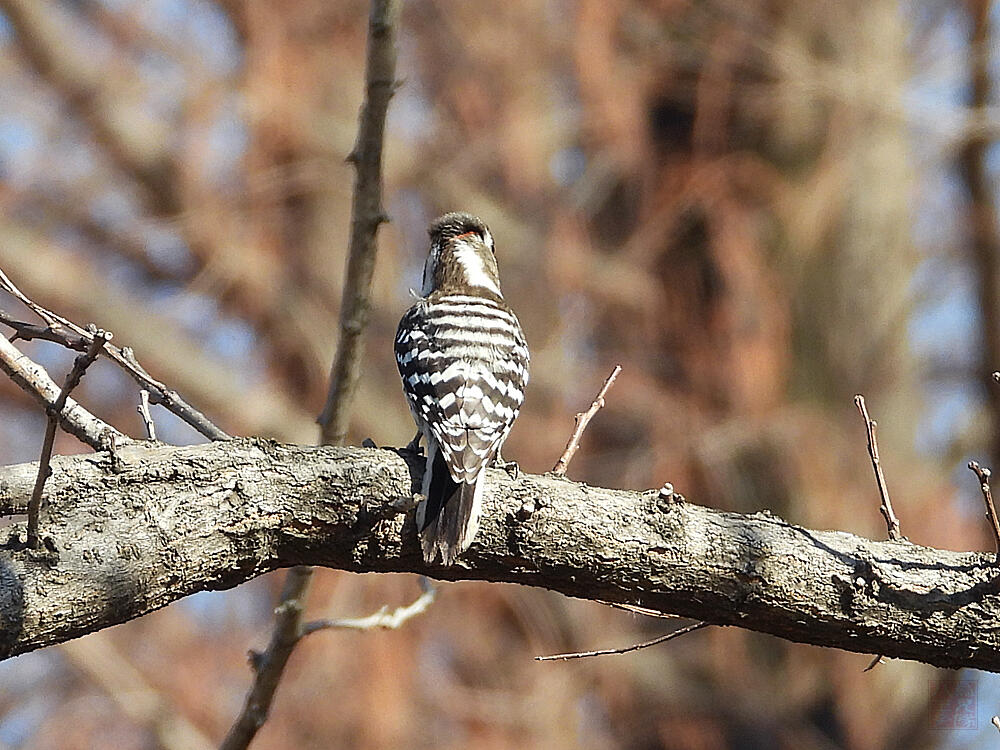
[{"x": 464, "y": 364}]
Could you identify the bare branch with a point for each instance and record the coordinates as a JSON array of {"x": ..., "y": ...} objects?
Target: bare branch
[
  {"x": 80, "y": 365},
  {"x": 166, "y": 397},
  {"x": 270, "y": 665},
  {"x": 74, "y": 419},
  {"x": 288, "y": 631},
  {"x": 51, "y": 320},
  {"x": 582, "y": 420},
  {"x": 367, "y": 214},
  {"x": 637, "y": 610},
  {"x": 222, "y": 513},
  {"x": 63, "y": 331},
  {"x": 383, "y": 619},
  {"x": 891, "y": 522},
  {"x": 627, "y": 649},
  {"x": 984, "y": 474}
]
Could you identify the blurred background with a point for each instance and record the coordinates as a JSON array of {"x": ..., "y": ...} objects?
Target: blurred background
[{"x": 758, "y": 208}]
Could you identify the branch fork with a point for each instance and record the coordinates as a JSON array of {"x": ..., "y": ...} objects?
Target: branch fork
[{"x": 63, "y": 331}]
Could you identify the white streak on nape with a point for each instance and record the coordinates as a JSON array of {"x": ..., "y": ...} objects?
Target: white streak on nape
[{"x": 475, "y": 269}]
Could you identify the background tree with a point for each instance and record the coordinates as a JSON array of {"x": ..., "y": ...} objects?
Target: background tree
[{"x": 758, "y": 209}]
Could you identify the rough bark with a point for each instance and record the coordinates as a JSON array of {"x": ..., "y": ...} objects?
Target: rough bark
[{"x": 132, "y": 532}]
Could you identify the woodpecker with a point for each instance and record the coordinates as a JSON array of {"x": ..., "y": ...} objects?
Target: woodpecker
[{"x": 463, "y": 359}]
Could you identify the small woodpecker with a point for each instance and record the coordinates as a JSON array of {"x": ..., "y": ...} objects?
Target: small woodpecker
[{"x": 463, "y": 359}]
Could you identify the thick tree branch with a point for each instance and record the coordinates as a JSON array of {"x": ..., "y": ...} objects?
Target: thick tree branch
[{"x": 159, "y": 523}]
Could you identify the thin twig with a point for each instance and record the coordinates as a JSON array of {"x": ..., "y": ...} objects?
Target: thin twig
[
  {"x": 27, "y": 331},
  {"x": 367, "y": 214},
  {"x": 383, "y": 619},
  {"x": 163, "y": 396},
  {"x": 582, "y": 420},
  {"x": 147, "y": 417},
  {"x": 63, "y": 331},
  {"x": 80, "y": 365},
  {"x": 891, "y": 522},
  {"x": 637, "y": 610},
  {"x": 627, "y": 649},
  {"x": 52, "y": 321},
  {"x": 984, "y": 475}
]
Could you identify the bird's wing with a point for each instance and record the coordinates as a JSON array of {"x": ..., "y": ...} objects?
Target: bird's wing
[{"x": 467, "y": 395}]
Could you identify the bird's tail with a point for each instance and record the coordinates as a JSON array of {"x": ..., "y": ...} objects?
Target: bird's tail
[{"x": 448, "y": 517}]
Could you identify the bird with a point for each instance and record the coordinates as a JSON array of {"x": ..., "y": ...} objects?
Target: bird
[{"x": 463, "y": 360}]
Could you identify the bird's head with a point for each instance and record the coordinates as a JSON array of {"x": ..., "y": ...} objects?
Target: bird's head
[{"x": 461, "y": 257}]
